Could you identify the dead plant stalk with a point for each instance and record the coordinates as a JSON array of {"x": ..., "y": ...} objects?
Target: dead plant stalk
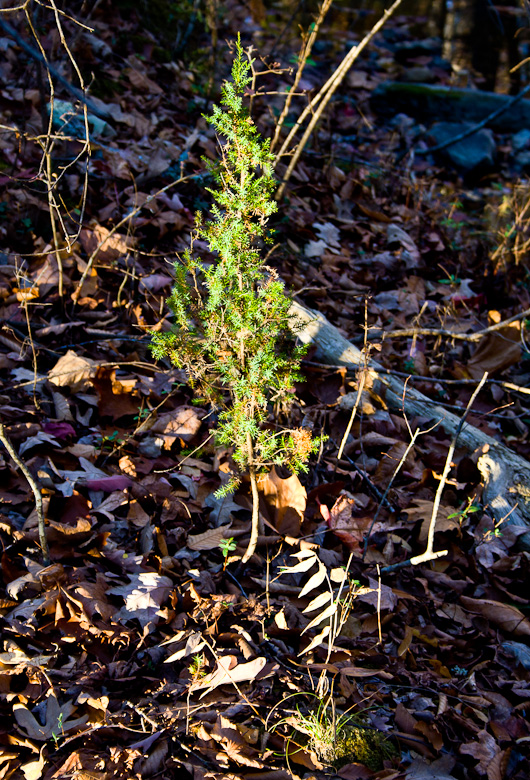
[
  {"x": 429, "y": 553},
  {"x": 324, "y": 96},
  {"x": 302, "y": 59},
  {"x": 36, "y": 493}
]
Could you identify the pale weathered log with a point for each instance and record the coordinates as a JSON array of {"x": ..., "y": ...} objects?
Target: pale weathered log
[{"x": 506, "y": 475}]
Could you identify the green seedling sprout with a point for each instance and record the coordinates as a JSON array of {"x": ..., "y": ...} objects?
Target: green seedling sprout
[{"x": 227, "y": 546}]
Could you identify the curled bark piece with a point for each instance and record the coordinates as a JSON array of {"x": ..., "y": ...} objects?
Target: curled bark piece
[{"x": 506, "y": 475}]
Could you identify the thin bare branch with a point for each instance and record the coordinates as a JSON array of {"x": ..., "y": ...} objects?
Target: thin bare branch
[
  {"x": 36, "y": 493},
  {"x": 325, "y": 95},
  {"x": 479, "y": 334}
]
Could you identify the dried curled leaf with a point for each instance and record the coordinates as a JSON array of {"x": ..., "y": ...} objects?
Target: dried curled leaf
[
  {"x": 299, "y": 568},
  {"x": 507, "y": 617}
]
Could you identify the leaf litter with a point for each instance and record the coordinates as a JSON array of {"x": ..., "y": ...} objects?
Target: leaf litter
[{"x": 139, "y": 652}]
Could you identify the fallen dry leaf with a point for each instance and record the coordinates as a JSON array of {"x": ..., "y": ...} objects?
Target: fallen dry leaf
[
  {"x": 496, "y": 351},
  {"x": 194, "y": 644},
  {"x": 229, "y": 671},
  {"x": 144, "y": 595},
  {"x": 302, "y": 755},
  {"x": 137, "y": 515},
  {"x": 151, "y": 765},
  {"x": 209, "y": 540},
  {"x": 507, "y": 617},
  {"x": 437, "y": 770},
  {"x": 421, "y": 509},
  {"x": 378, "y": 594},
  {"x": 355, "y": 772},
  {"x": 485, "y": 749},
  {"x": 351, "y": 530},
  {"x": 57, "y": 719},
  {"x": 234, "y": 743},
  {"x": 183, "y": 423},
  {"x": 72, "y": 371},
  {"x": 33, "y": 769},
  {"x": 396, "y": 236},
  {"x": 288, "y": 497},
  {"x": 112, "y": 247}
]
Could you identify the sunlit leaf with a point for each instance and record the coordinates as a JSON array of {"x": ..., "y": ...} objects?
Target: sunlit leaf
[
  {"x": 317, "y": 640},
  {"x": 314, "y": 581},
  {"x": 329, "y": 612},
  {"x": 299, "y": 567},
  {"x": 318, "y": 602}
]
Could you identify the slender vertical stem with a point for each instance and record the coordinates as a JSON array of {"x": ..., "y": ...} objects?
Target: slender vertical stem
[
  {"x": 255, "y": 516},
  {"x": 304, "y": 56},
  {"x": 25, "y": 307},
  {"x": 255, "y": 528},
  {"x": 36, "y": 492},
  {"x": 52, "y": 207},
  {"x": 429, "y": 553},
  {"x": 360, "y": 388}
]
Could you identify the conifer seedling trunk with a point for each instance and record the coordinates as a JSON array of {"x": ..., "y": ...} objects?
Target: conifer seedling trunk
[{"x": 231, "y": 315}]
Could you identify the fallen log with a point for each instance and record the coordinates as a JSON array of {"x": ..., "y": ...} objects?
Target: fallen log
[{"x": 506, "y": 475}]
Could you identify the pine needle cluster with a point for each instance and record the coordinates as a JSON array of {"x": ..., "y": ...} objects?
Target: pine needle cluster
[{"x": 231, "y": 315}]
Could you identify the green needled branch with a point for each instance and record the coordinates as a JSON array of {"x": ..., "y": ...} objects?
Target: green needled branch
[{"x": 231, "y": 316}]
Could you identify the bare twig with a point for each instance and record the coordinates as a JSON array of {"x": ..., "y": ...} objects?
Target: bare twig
[
  {"x": 257, "y": 523},
  {"x": 36, "y": 492},
  {"x": 379, "y": 628},
  {"x": 438, "y": 380},
  {"x": 429, "y": 553},
  {"x": 452, "y": 334},
  {"x": 126, "y": 218},
  {"x": 360, "y": 388},
  {"x": 325, "y": 95},
  {"x": 98, "y": 110},
  {"x": 502, "y": 468},
  {"x": 302, "y": 59},
  {"x": 431, "y": 379},
  {"x": 404, "y": 457},
  {"x": 55, "y": 237},
  {"x": 24, "y": 304},
  {"x": 360, "y": 383}
]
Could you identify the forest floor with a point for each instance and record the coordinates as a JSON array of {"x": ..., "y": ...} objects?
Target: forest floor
[{"x": 145, "y": 649}]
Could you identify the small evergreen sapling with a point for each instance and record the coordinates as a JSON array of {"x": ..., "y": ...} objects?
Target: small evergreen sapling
[{"x": 231, "y": 316}]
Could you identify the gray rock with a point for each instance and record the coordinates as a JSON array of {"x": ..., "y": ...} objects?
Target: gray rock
[
  {"x": 426, "y": 102},
  {"x": 520, "y": 140},
  {"x": 518, "y": 651},
  {"x": 476, "y": 153},
  {"x": 523, "y": 160},
  {"x": 407, "y": 50}
]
